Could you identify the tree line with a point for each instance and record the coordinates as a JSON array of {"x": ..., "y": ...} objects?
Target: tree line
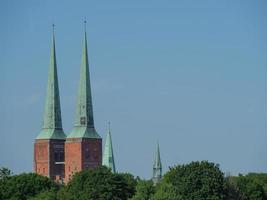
[{"x": 194, "y": 181}]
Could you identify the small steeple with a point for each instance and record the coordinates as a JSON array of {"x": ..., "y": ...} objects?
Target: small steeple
[
  {"x": 84, "y": 120},
  {"x": 52, "y": 124},
  {"x": 108, "y": 157},
  {"x": 157, "y": 167}
]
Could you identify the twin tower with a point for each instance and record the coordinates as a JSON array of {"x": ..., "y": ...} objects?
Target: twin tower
[{"x": 59, "y": 156}]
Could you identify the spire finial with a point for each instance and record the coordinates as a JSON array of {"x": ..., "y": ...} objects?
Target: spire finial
[
  {"x": 53, "y": 28},
  {"x": 109, "y": 126},
  {"x": 84, "y": 21}
]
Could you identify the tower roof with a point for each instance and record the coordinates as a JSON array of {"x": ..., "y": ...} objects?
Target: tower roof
[
  {"x": 52, "y": 124},
  {"x": 108, "y": 157},
  {"x": 84, "y": 120},
  {"x": 157, "y": 167},
  {"x": 157, "y": 161}
]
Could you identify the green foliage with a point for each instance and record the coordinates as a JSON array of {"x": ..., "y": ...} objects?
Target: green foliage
[
  {"x": 24, "y": 186},
  {"x": 144, "y": 190},
  {"x": 99, "y": 183},
  {"x": 128, "y": 188},
  {"x": 232, "y": 192},
  {"x": 46, "y": 195},
  {"x": 196, "y": 181},
  {"x": 165, "y": 191},
  {"x": 4, "y": 173},
  {"x": 261, "y": 178},
  {"x": 251, "y": 187}
]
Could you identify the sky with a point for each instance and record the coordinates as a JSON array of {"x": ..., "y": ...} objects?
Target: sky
[{"x": 191, "y": 75}]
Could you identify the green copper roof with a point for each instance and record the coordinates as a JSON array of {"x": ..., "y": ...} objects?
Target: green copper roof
[
  {"x": 108, "y": 157},
  {"x": 84, "y": 120},
  {"x": 52, "y": 124},
  {"x": 157, "y": 167},
  {"x": 83, "y": 132}
]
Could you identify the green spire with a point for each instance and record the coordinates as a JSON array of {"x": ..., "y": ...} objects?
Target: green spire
[
  {"x": 84, "y": 120},
  {"x": 108, "y": 157},
  {"x": 157, "y": 167},
  {"x": 52, "y": 124}
]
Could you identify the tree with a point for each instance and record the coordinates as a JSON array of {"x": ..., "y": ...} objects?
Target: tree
[
  {"x": 196, "y": 181},
  {"x": 232, "y": 192},
  {"x": 24, "y": 186},
  {"x": 144, "y": 190},
  {"x": 261, "y": 178},
  {"x": 98, "y": 183},
  {"x": 251, "y": 188},
  {"x": 128, "y": 188},
  {"x": 165, "y": 191},
  {"x": 46, "y": 195},
  {"x": 4, "y": 173}
]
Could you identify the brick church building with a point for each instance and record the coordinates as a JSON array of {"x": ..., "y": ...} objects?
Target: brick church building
[{"x": 59, "y": 156}]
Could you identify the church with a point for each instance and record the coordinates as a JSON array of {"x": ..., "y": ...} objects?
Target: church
[{"x": 59, "y": 156}]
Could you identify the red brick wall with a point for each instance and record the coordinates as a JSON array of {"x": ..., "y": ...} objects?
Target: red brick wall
[
  {"x": 44, "y": 158},
  {"x": 73, "y": 157},
  {"x": 91, "y": 153},
  {"x": 78, "y": 154},
  {"x": 41, "y": 158},
  {"x": 81, "y": 154}
]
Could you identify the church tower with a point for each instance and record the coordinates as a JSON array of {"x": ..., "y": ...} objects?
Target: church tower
[
  {"x": 157, "y": 167},
  {"x": 83, "y": 147},
  {"x": 49, "y": 144},
  {"x": 108, "y": 157}
]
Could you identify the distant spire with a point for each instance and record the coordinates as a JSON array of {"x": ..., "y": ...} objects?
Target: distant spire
[
  {"x": 52, "y": 124},
  {"x": 84, "y": 120},
  {"x": 157, "y": 167},
  {"x": 108, "y": 157}
]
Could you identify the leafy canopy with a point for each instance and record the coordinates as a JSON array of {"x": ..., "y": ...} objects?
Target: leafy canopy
[
  {"x": 24, "y": 186},
  {"x": 99, "y": 183},
  {"x": 196, "y": 181}
]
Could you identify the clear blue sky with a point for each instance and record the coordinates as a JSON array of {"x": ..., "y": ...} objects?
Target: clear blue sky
[{"x": 190, "y": 74}]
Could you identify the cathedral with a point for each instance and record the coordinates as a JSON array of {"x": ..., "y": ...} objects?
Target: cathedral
[{"x": 59, "y": 156}]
